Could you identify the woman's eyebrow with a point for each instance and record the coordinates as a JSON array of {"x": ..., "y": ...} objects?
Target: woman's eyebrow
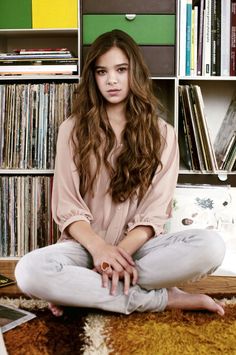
[
  {"x": 122, "y": 65},
  {"x": 117, "y": 65}
]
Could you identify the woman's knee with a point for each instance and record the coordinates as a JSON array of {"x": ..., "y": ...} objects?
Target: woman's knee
[
  {"x": 212, "y": 248},
  {"x": 28, "y": 272}
]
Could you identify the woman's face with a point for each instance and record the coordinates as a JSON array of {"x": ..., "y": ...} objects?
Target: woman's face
[{"x": 112, "y": 75}]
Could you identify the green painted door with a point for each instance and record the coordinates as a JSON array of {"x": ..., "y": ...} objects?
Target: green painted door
[{"x": 145, "y": 29}]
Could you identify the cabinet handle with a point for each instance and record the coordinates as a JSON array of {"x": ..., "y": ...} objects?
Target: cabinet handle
[
  {"x": 223, "y": 176},
  {"x": 130, "y": 17}
]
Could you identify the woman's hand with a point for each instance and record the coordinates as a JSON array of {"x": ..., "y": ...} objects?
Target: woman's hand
[
  {"x": 113, "y": 256},
  {"x": 114, "y": 263},
  {"x": 114, "y": 276}
]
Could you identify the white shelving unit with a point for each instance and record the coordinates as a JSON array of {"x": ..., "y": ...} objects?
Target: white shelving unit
[{"x": 217, "y": 91}]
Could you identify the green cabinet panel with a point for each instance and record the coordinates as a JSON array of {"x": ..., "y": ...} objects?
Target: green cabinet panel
[
  {"x": 145, "y": 29},
  {"x": 15, "y": 14}
]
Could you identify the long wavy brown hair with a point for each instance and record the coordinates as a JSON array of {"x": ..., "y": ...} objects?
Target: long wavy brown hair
[{"x": 140, "y": 154}]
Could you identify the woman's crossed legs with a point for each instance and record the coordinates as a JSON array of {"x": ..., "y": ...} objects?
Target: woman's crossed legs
[{"x": 62, "y": 274}]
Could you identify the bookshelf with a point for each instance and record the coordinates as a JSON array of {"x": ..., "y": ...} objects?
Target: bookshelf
[
  {"x": 163, "y": 58},
  {"x": 217, "y": 90},
  {"x": 26, "y": 187}
]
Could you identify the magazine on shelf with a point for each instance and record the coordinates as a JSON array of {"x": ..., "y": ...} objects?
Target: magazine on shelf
[
  {"x": 5, "y": 281},
  {"x": 11, "y": 317},
  {"x": 226, "y": 132},
  {"x": 186, "y": 117},
  {"x": 208, "y": 207},
  {"x": 203, "y": 129}
]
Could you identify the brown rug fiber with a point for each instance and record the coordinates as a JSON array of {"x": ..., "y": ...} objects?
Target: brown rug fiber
[
  {"x": 91, "y": 332},
  {"x": 47, "y": 335}
]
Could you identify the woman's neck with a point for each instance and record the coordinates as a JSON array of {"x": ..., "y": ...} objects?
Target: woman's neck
[
  {"x": 116, "y": 114},
  {"x": 117, "y": 119}
]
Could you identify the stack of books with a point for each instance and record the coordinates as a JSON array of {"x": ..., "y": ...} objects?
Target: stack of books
[
  {"x": 207, "y": 37},
  {"x": 38, "y": 61}
]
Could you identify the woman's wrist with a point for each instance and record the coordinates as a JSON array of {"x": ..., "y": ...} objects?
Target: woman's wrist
[
  {"x": 94, "y": 245},
  {"x": 82, "y": 232},
  {"x": 136, "y": 238}
]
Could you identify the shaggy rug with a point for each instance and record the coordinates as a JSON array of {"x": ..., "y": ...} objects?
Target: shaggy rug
[{"x": 91, "y": 332}]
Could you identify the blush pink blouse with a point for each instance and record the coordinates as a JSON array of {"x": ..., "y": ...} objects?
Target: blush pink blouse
[{"x": 108, "y": 219}]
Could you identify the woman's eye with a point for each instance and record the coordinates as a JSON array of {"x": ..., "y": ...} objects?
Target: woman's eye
[
  {"x": 122, "y": 69},
  {"x": 101, "y": 72}
]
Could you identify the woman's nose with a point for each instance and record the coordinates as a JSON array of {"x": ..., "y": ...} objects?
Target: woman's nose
[{"x": 111, "y": 80}]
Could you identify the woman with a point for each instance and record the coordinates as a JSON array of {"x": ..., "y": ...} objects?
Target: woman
[{"x": 115, "y": 175}]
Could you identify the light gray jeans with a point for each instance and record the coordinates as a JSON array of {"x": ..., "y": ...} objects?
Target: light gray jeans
[{"x": 61, "y": 273}]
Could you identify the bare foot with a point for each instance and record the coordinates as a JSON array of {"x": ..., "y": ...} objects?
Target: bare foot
[
  {"x": 188, "y": 301},
  {"x": 56, "y": 310}
]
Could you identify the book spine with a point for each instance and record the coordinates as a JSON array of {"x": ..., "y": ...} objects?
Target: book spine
[
  {"x": 188, "y": 131},
  {"x": 185, "y": 144},
  {"x": 200, "y": 38},
  {"x": 195, "y": 38},
  {"x": 196, "y": 131},
  {"x": 207, "y": 36},
  {"x": 192, "y": 45},
  {"x": 228, "y": 151},
  {"x": 225, "y": 37},
  {"x": 191, "y": 129},
  {"x": 231, "y": 159},
  {"x": 188, "y": 37},
  {"x": 182, "y": 38},
  {"x": 213, "y": 37},
  {"x": 233, "y": 39},
  {"x": 204, "y": 129},
  {"x": 36, "y": 50},
  {"x": 218, "y": 36}
]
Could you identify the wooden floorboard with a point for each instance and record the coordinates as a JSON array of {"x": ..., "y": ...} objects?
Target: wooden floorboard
[
  {"x": 7, "y": 268},
  {"x": 217, "y": 286}
]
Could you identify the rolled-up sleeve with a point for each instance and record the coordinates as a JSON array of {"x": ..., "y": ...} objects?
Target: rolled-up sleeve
[
  {"x": 67, "y": 204},
  {"x": 156, "y": 206}
]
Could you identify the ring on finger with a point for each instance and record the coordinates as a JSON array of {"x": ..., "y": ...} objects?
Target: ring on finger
[{"x": 105, "y": 266}]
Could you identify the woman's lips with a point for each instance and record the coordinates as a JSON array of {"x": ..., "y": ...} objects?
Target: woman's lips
[{"x": 113, "y": 91}]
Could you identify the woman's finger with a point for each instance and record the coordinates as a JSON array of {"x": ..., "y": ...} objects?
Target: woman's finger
[
  {"x": 114, "y": 282},
  {"x": 126, "y": 282},
  {"x": 135, "y": 276},
  {"x": 105, "y": 279},
  {"x": 127, "y": 257},
  {"x": 117, "y": 266}
]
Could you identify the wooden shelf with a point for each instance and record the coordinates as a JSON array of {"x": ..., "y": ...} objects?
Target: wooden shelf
[
  {"x": 38, "y": 77},
  {"x": 34, "y": 32},
  {"x": 211, "y": 78},
  {"x": 200, "y": 178},
  {"x": 26, "y": 172}
]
